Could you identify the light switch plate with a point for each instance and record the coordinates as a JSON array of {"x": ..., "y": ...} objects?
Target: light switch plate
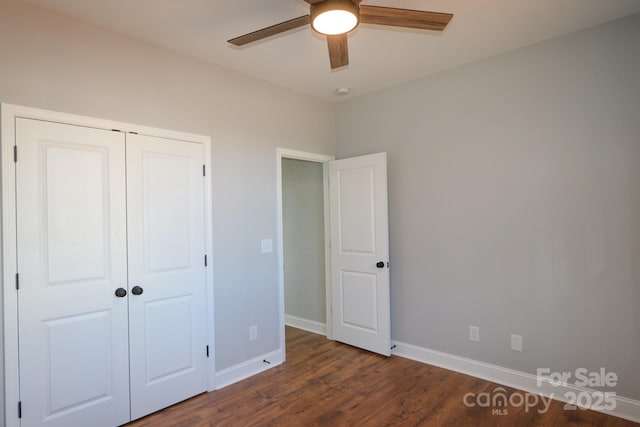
[{"x": 267, "y": 246}]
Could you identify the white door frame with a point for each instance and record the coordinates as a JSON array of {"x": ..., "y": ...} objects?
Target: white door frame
[
  {"x": 283, "y": 153},
  {"x": 8, "y": 114}
]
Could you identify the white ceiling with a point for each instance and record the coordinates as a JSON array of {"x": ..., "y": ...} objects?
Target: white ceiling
[{"x": 379, "y": 56}]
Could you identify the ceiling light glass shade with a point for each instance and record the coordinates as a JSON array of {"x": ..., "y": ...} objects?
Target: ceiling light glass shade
[{"x": 333, "y": 17}]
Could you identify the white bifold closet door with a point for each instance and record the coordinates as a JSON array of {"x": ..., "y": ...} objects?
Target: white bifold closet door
[
  {"x": 167, "y": 334},
  {"x": 72, "y": 256},
  {"x": 97, "y": 211}
]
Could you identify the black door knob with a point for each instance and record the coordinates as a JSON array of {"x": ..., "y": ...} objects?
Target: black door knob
[
  {"x": 121, "y": 292},
  {"x": 137, "y": 290},
  {"x": 380, "y": 264}
]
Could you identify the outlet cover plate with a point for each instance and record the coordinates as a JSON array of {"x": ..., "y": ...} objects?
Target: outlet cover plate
[
  {"x": 516, "y": 342},
  {"x": 474, "y": 333},
  {"x": 267, "y": 246}
]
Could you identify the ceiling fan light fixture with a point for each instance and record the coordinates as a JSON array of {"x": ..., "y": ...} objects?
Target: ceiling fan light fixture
[{"x": 332, "y": 17}]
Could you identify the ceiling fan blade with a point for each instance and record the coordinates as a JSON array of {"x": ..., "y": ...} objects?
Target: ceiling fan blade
[
  {"x": 338, "y": 50},
  {"x": 270, "y": 31},
  {"x": 404, "y": 18}
]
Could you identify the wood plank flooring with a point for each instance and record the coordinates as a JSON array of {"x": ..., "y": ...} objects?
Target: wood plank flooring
[{"x": 324, "y": 383}]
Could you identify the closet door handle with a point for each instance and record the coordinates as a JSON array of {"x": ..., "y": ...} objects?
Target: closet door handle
[
  {"x": 137, "y": 290},
  {"x": 121, "y": 292}
]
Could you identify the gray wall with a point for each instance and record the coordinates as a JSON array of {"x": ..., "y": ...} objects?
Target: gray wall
[
  {"x": 54, "y": 62},
  {"x": 514, "y": 188},
  {"x": 514, "y": 182},
  {"x": 303, "y": 230}
]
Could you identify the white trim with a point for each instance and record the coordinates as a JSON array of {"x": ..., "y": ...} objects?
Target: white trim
[
  {"x": 303, "y": 155},
  {"x": 247, "y": 369},
  {"x": 310, "y": 157},
  {"x": 208, "y": 230},
  {"x": 8, "y": 114},
  {"x": 328, "y": 274},
  {"x": 73, "y": 119},
  {"x": 9, "y": 261},
  {"x": 306, "y": 324},
  {"x": 625, "y": 408}
]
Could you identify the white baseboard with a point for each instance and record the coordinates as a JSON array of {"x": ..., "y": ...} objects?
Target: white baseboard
[
  {"x": 625, "y": 408},
  {"x": 247, "y": 369},
  {"x": 305, "y": 324}
]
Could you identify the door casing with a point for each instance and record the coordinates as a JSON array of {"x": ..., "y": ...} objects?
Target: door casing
[{"x": 8, "y": 114}]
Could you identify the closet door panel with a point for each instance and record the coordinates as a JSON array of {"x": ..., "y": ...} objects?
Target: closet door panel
[
  {"x": 165, "y": 205},
  {"x": 71, "y": 229}
]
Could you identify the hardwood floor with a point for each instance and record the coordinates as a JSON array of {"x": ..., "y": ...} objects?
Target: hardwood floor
[{"x": 324, "y": 383}]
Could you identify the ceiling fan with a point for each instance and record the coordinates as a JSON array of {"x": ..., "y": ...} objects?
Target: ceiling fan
[{"x": 336, "y": 18}]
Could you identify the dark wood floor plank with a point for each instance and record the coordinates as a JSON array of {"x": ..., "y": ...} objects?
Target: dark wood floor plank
[{"x": 324, "y": 383}]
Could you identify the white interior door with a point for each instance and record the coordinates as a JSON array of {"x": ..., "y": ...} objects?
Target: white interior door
[
  {"x": 73, "y": 331},
  {"x": 360, "y": 252},
  {"x": 165, "y": 205}
]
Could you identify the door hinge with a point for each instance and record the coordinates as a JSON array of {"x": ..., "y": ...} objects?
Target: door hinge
[
  {"x": 15, "y": 154},
  {"x": 205, "y": 260},
  {"x": 204, "y": 170},
  {"x": 20, "y": 409},
  {"x": 207, "y": 351},
  {"x": 17, "y": 281}
]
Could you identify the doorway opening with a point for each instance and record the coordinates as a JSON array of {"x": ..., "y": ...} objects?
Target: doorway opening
[
  {"x": 356, "y": 247},
  {"x": 303, "y": 235}
]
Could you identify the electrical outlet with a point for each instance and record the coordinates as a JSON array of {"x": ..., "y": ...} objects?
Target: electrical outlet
[
  {"x": 474, "y": 333},
  {"x": 253, "y": 333},
  {"x": 516, "y": 342},
  {"x": 266, "y": 246}
]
